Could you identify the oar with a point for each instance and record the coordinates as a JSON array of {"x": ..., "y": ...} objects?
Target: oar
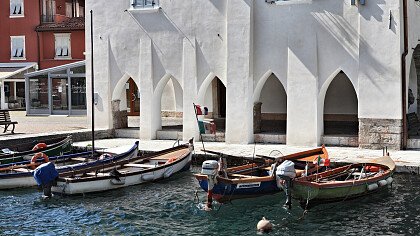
[{"x": 228, "y": 155}]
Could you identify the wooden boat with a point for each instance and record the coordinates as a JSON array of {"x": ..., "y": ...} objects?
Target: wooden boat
[
  {"x": 253, "y": 180},
  {"x": 160, "y": 165},
  {"x": 59, "y": 148},
  {"x": 346, "y": 182},
  {"x": 15, "y": 176}
]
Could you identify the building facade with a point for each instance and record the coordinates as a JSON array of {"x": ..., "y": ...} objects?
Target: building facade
[
  {"x": 36, "y": 35},
  {"x": 311, "y": 71}
]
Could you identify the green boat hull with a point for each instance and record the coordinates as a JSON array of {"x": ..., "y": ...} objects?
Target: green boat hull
[
  {"x": 304, "y": 193},
  {"x": 57, "y": 150}
]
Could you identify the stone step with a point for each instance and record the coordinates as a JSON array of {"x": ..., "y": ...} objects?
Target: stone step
[
  {"x": 127, "y": 133},
  {"x": 270, "y": 138},
  {"x": 169, "y": 135},
  {"x": 340, "y": 140}
]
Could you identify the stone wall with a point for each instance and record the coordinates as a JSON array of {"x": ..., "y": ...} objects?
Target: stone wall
[
  {"x": 380, "y": 133},
  {"x": 120, "y": 119}
]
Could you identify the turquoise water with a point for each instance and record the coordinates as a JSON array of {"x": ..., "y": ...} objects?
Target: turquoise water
[{"x": 167, "y": 208}]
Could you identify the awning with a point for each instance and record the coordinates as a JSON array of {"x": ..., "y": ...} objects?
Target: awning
[{"x": 8, "y": 70}]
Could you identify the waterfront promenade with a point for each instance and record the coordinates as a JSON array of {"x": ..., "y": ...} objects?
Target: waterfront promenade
[
  {"x": 407, "y": 161},
  {"x": 32, "y": 126}
]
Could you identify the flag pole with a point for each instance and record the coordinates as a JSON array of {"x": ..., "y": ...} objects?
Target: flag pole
[
  {"x": 92, "y": 83},
  {"x": 201, "y": 137}
]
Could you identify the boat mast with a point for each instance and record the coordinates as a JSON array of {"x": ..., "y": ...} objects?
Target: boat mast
[{"x": 92, "y": 82}]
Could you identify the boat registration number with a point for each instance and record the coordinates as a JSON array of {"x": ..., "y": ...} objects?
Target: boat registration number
[{"x": 249, "y": 185}]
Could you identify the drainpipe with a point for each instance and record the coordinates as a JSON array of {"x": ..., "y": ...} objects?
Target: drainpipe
[{"x": 403, "y": 77}]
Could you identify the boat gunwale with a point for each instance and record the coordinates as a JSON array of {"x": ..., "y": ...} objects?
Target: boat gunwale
[
  {"x": 52, "y": 146},
  {"x": 308, "y": 180},
  {"x": 64, "y": 178}
]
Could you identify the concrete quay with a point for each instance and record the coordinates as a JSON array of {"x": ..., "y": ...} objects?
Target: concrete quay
[{"x": 407, "y": 161}]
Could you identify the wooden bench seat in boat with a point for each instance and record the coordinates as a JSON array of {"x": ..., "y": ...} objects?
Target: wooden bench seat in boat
[
  {"x": 140, "y": 165},
  {"x": 21, "y": 170},
  {"x": 78, "y": 159}
]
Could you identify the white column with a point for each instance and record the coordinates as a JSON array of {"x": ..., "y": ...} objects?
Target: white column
[
  {"x": 239, "y": 89},
  {"x": 148, "y": 106},
  {"x": 2, "y": 94},
  {"x": 189, "y": 74},
  {"x": 302, "y": 89}
]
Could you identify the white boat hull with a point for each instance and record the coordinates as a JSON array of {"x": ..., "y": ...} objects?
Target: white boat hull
[
  {"x": 18, "y": 182},
  {"x": 109, "y": 183}
]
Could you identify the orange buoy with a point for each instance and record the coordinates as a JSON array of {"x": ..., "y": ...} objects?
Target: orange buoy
[
  {"x": 39, "y": 146},
  {"x": 372, "y": 168},
  {"x": 36, "y": 156}
]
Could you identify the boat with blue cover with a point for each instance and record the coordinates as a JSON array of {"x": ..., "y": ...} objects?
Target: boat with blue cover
[{"x": 21, "y": 174}]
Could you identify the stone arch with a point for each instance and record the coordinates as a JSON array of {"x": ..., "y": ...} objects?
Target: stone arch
[
  {"x": 270, "y": 105},
  {"x": 120, "y": 86},
  {"x": 212, "y": 94},
  {"x": 261, "y": 82},
  {"x": 176, "y": 98},
  {"x": 339, "y": 116}
]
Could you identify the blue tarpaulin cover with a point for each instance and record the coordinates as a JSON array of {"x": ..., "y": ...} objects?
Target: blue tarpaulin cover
[{"x": 45, "y": 173}]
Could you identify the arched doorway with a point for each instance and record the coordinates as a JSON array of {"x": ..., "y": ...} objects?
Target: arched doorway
[
  {"x": 215, "y": 101},
  {"x": 413, "y": 96},
  {"x": 341, "y": 109},
  {"x": 273, "y": 102},
  {"x": 133, "y": 98},
  {"x": 171, "y": 105}
]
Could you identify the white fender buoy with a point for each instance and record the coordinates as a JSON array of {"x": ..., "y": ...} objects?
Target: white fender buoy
[
  {"x": 389, "y": 180},
  {"x": 264, "y": 225},
  {"x": 382, "y": 183},
  {"x": 372, "y": 187}
]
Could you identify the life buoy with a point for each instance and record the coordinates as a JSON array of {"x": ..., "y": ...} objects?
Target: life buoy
[
  {"x": 39, "y": 146},
  {"x": 170, "y": 160},
  {"x": 36, "y": 156},
  {"x": 372, "y": 168}
]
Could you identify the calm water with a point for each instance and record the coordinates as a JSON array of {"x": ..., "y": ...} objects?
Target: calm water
[{"x": 167, "y": 208}]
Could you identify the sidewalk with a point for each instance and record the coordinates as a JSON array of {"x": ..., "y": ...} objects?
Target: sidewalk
[{"x": 406, "y": 161}]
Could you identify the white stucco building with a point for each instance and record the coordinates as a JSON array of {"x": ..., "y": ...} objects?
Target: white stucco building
[{"x": 320, "y": 68}]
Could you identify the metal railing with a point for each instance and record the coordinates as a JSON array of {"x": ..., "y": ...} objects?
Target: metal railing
[{"x": 144, "y": 3}]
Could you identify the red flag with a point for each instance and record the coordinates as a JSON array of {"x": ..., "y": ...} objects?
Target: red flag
[{"x": 198, "y": 110}]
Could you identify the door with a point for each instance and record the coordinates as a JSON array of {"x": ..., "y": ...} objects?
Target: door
[
  {"x": 133, "y": 98},
  {"x": 59, "y": 96}
]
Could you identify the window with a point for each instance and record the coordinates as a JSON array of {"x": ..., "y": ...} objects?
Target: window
[
  {"x": 17, "y": 47},
  {"x": 144, "y": 3},
  {"x": 16, "y": 8},
  {"x": 62, "y": 46}
]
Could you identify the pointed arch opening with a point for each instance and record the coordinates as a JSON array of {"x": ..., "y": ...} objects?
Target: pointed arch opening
[
  {"x": 171, "y": 105},
  {"x": 270, "y": 107},
  {"x": 341, "y": 108},
  {"x": 413, "y": 95},
  {"x": 126, "y": 103},
  {"x": 215, "y": 100}
]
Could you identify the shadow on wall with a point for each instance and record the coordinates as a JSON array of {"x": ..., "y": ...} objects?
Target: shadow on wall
[{"x": 351, "y": 41}]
